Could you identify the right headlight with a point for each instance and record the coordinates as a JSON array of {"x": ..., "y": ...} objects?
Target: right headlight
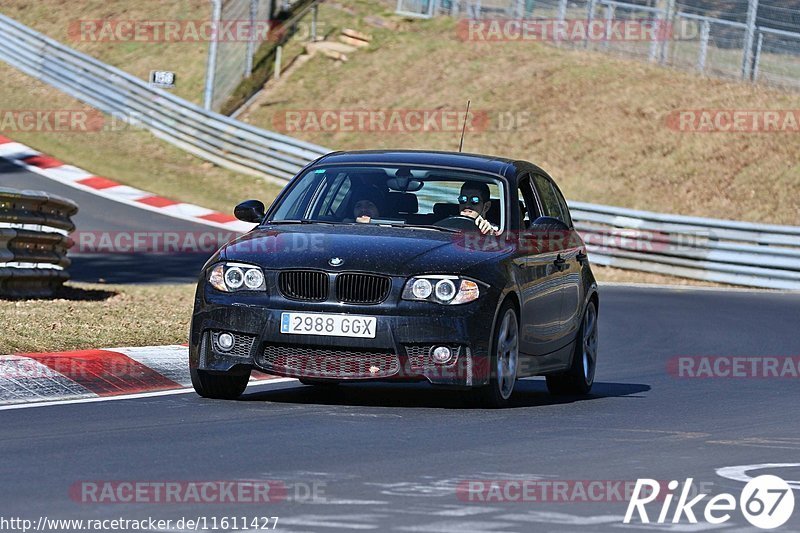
[
  {"x": 446, "y": 290},
  {"x": 232, "y": 277}
]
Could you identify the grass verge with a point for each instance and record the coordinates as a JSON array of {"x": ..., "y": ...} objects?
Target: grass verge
[{"x": 87, "y": 316}]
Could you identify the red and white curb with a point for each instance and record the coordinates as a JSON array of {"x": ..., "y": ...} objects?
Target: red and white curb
[
  {"x": 93, "y": 374},
  {"x": 50, "y": 167}
]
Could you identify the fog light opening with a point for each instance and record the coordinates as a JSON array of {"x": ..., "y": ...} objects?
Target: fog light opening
[
  {"x": 225, "y": 342},
  {"x": 441, "y": 355}
]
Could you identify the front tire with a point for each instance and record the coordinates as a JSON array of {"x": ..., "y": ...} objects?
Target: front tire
[
  {"x": 504, "y": 359},
  {"x": 578, "y": 380},
  {"x": 219, "y": 386}
]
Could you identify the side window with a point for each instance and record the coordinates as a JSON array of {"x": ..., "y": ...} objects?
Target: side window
[
  {"x": 563, "y": 204},
  {"x": 529, "y": 211},
  {"x": 336, "y": 203},
  {"x": 296, "y": 202},
  {"x": 334, "y": 195},
  {"x": 549, "y": 197}
]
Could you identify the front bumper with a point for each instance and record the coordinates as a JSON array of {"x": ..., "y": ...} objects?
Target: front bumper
[{"x": 405, "y": 333}]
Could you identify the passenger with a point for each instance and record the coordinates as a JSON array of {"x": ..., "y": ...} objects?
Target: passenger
[{"x": 474, "y": 203}]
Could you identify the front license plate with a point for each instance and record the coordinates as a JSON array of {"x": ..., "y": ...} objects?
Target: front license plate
[{"x": 328, "y": 325}]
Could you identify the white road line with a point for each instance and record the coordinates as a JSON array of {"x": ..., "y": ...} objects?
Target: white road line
[
  {"x": 739, "y": 473},
  {"x": 126, "y": 396}
]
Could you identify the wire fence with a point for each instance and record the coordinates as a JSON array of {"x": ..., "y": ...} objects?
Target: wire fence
[
  {"x": 232, "y": 60},
  {"x": 743, "y": 40}
]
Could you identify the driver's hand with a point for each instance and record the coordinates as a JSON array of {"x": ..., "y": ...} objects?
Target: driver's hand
[{"x": 484, "y": 225}]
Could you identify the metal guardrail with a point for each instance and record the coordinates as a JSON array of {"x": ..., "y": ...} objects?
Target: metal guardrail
[
  {"x": 34, "y": 229},
  {"x": 723, "y": 251},
  {"x": 211, "y": 136},
  {"x": 708, "y": 249}
]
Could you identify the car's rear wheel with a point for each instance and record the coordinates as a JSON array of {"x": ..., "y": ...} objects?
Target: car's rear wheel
[
  {"x": 219, "y": 386},
  {"x": 504, "y": 359},
  {"x": 578, "y": 380}
]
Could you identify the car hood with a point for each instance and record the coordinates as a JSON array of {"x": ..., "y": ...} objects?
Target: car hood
[{"x": 387, "y": 250}]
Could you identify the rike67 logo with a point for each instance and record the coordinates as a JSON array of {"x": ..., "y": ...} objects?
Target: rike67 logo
[{"x": 767, "y": 502}]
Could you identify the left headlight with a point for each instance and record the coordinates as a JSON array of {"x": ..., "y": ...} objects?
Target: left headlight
[
  {"x": 232, "y": 277},
  {"x": 447, "y": 290}
]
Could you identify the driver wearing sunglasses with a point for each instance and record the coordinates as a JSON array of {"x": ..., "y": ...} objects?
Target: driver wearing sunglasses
[{"x": 473, "y": 202}]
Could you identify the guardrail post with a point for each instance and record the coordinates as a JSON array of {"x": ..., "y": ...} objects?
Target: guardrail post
[
  {"x": 757, "y": 60},
  {"x": 314, "y": 14},
  {"x": 658, "y": 35},
  {"x": 589, "y": 19},
  {"x": 749, "y": 38},
  {"x": 211, "y": 68},
  {"x": 278, "y": 54},
  {"x": 609, "y": 22},
  {"x": 518, "y": 9},
  {"x": 251, "y": 43},
  {"x": 705, "y": 33},
  {"x": 561, "y": 18},
  {"x": 668, "y": 21}
]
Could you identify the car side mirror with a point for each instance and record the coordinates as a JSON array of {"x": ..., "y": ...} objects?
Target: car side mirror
[
  {"x": 250, "y": 211},
  {"x": 551, "y": 223}
]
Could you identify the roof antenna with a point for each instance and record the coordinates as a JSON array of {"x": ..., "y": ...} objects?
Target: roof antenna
[{"x": 464, "y": 128}]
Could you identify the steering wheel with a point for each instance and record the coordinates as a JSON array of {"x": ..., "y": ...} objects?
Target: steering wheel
[{"x": 460, "y": 222}]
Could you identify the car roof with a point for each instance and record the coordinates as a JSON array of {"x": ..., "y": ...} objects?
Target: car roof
[{"x": 484, "y": 163}]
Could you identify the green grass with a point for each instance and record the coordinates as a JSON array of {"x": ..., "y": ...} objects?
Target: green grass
[{"x": 89, "y": 316}]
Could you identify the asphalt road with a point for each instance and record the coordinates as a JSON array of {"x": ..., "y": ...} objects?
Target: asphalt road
[
  {"x": 391, "y": 457},
  {"x": 103, "y": 216}
]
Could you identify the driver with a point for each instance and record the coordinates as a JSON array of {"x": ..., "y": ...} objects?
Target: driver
[
  {"x": 368, "y": 204},
  {"x": 474, "y": 203}
]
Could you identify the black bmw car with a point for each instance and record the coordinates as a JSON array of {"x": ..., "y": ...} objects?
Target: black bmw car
[{"x": 457, "y": 269}]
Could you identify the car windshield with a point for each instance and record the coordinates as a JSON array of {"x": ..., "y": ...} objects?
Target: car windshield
[{"x": 397, "y": 196}]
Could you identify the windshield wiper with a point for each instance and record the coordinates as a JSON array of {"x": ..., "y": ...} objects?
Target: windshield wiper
[
  {"x": 303, "y": 221},
  {"x": 420, "y": 226}
]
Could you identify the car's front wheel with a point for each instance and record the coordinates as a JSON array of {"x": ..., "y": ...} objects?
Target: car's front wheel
[
  {"x": 578, "y": 380},
  {"x": 504, "y": 359},
  {"x": 219, "y": 386}
]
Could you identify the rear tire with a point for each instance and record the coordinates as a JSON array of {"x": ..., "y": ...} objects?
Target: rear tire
[
  {"x": 578, "y": 380},
  {"x": 219, "y": 386},
  {"x": 504, "y": 359}
]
